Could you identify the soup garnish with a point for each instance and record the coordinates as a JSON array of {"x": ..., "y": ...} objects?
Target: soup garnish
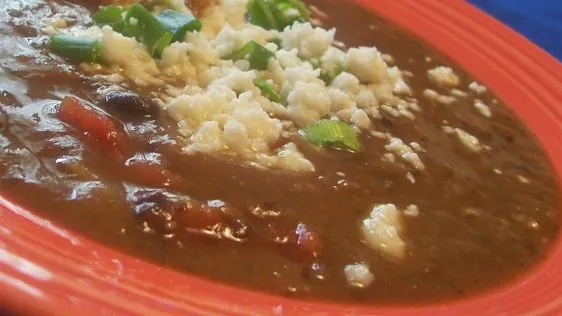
[{"x": 251, "y": 143}]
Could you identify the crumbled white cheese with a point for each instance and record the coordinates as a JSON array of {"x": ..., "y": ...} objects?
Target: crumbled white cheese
[
  {"x": 430, "y": 94},
  {"x": 230, "y": 40},
  {"x": 367, "y": 64},
  {"x": 308, "y": 102},
  {"x": 397, "y": 147},
  {"x": 434, "y": 96},
  {"x": 389, "y": 157},
  {"x": 219, "y": 109},
  {"x": 483, "y": 109},
  {"x": 412, "y": 210},
  {"x": 360, "y": 119},
  {"x": 288, "y": 158},
  {"x": 346, "y": 82},
  {"x": 334, "y": 59},
  {"x": 358, "y": 275},
  {"x": 469, "y": 141},
  {"x": 132, "y": 56},
  {"x": 54, "y": 26},
  {"x": 401, "y": 87},
  {"x": 382, "y": 229},
  {"x": 380, "y": 135},
  {"x": 443, "y": 76},
  {"x": 416, "y": 146},
  {"x": 310, "y": 42},
  {"x": 458, "y": 93},
  {"x": 523, "y": 179},
  {"x": 410, "y": 177},
  {"x": 476, "y": 87}
]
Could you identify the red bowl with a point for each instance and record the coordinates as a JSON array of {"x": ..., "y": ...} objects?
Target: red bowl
[{"x": 45, "y": 269}]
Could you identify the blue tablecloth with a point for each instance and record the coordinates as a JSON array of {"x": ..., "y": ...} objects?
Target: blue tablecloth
[{"x": 538, "y": 20}]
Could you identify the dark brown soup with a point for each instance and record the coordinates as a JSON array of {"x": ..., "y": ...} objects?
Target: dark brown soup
[{"x": 477, "y": 220}]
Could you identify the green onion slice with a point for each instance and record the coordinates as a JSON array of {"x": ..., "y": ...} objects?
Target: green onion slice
[
  {"x": 76, "y": 48},
  {"x": 267, "y": 90},
  {"x": 328, "y": 75},
  {"x": 148, "y": 29},
  {"x": 331, "y": 133},
  {"x": 287, "y": 12},
  {"x": 259, "y": 13},
  {"x": 257, "y": 55},
  {"x": 112, "y": 16},
  {"x": 177, "y": 23},
  {"x": 275, "y": 40},
  {"x": 277, "y": 14}
]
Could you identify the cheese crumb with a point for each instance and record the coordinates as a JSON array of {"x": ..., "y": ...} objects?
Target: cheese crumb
[
  {"x": 412, "y": 211},
  {"x": 397, "y": 147},
  {"x": 478, "y": 88},
  {"x": 382, "y": 230},
  {"x": 358, "y": 275},
  {"x": 483, "y": 109},
  {"x": 469, "y": 141},
  {"x": 443, "y": 77}
]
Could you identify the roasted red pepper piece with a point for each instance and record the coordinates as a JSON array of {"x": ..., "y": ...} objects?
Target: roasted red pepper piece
[
  {"x": 307, "y": 240},
  {"x": 150, "y": 173},
  {"x": 202, "y": 217},
  {"x": 165, "y": 212},
  {"x": 96, "y": 125}
]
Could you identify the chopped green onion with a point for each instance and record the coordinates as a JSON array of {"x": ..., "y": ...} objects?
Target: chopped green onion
[
  {"x": 288, "y": 12},
  {"x": 277, "y": 41},
  {"x": 112, "y": 16},
  {"x": 328, "y": 75},
  {"x": 257, "y": 55},
  {"x": 178, "y": 23},
  {"x": 267, "y": 90},
  {"x": 276, "y": 14},
  {"x": 259, "y": 13},
  {"x": 76, "y": 48},
  {"x": 331, "y": 133},
  {"x": 148, "y": 29},
  {"x": 116, "y": 17}
]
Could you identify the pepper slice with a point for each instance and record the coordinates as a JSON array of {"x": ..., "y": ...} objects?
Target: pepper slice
[
  {"x": 96, "y": 125},
  {"x": 76, "y": 48},
  {"x": 257, "y": 55}
]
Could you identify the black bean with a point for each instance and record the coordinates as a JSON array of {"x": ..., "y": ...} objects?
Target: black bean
[
  {"x": 155, "y": 200},
  {"x": 130, "y": 103},
  {"x": 240, "y": 228}
]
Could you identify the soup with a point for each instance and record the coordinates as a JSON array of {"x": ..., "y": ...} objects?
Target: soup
[{"x": 281, "y": 160}]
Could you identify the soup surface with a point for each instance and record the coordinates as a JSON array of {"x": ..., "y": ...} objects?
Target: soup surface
[{"x": 448, "y": 195}]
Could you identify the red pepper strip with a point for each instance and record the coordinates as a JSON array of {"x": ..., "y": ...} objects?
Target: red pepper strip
[
  {"x": 201, "y": 217},
  {"x": 305, "y": 242},
  {"x": 96, "y": 125},
  {"x": 308, "y": 240},
  {"x": 149, "y": 173}
]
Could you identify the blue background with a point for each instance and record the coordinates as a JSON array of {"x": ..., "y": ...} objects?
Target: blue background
[{"x": 538, "y": 20}]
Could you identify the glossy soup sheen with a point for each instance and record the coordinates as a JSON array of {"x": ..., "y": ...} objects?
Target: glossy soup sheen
[{"x": 477, "y": 227}]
